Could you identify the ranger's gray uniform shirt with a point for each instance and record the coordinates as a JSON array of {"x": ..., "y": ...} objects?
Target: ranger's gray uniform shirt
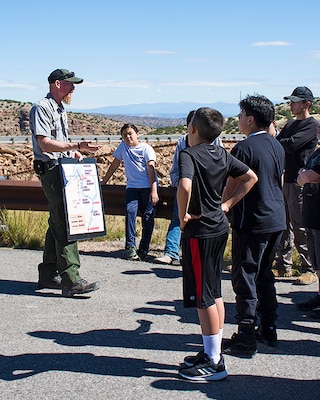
[{"x": 49, "y": 119}]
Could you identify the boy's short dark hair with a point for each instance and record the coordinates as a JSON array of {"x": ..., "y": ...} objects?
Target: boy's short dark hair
[
  {"x": 261, "y": 108},
  {"x": 189, "y": 117},
  {"x": 127, "y": 126},
  {"x": 209, "y": 123}
]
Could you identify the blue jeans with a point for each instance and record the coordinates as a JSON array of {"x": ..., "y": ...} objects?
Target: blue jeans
[
  {"x": 139, "y": 200},
  {"x": 172, "y": 246}
]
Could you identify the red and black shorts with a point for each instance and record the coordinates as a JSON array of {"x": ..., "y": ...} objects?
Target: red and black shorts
[{"x": 202, "y": 261}]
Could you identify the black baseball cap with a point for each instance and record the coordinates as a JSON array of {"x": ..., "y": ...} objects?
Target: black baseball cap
[
  {"x": 300, "y": 93},
  {"x": 63, "y": 75}
]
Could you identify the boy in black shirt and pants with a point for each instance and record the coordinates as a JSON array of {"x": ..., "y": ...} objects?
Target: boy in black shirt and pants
[{"x": 257, "y": 225}]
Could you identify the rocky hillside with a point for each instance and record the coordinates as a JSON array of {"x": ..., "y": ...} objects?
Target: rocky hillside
[{"x": 14, "y": 121}]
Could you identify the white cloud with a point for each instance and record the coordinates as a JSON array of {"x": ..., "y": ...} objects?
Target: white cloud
[
  {"x": 271, "y": 43},
  {"x": 148, "y": 84},
  {"x": 15, "y": 85},
  {"x": 210, "y": 84},
  {"x": 315, "y": 54},
  {"x": 142, "y": 84}
]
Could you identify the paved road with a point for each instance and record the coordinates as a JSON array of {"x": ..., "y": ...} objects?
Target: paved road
[{"x": 126, "y": 340}]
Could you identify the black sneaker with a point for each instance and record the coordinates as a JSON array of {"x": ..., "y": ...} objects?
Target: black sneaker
[
  {"x": 309, "y": 305},
  {"x": 189, "y": 361},
  {"x": 54, "y": 283},
  {"x": 176, "y": 262},
  {"x": 315, "y": 314},
  {"x": 204, "y": 370},
  {"x": 142, "y": 254},
  {"x": 267, "y": 335},
  {"x": 131, "y": 253},
  {"x": 240, "y": 344},
  {"x": 80, "y": 287}
]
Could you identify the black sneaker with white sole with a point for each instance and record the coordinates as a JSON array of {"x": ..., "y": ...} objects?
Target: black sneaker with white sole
[
  {"x": 189, "y": 361},
  {"x": 204, "y": 370}
]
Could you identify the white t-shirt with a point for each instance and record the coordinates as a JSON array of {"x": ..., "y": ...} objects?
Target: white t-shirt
[{"x": 135, "y": 159}]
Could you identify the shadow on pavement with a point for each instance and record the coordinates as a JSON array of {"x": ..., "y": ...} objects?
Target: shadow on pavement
[
  {"x": 244, "y": 387},
  {"x": 140, "y": 338},
  {"x": 26, "y": 365}
]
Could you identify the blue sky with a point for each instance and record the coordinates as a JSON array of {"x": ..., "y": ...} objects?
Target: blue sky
[{"x": 132, "y": 52}]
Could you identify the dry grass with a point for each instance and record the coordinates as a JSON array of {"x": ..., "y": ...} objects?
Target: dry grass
[
  {"x": 27, "y": 229},
  {"x": 21, "y": 228}
]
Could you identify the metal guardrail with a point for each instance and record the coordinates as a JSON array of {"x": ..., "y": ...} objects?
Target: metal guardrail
[
  {"x": 28, "y": 195},
  {"x": 116, "y": 138}
]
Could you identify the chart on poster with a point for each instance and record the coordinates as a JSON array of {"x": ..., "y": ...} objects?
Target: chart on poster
[{"x": 82, "y": 198}]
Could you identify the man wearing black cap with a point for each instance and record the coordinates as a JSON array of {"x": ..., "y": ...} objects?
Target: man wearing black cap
[
  {"x": 49, "y": 127},
  {"x": 299, "y": 140}
]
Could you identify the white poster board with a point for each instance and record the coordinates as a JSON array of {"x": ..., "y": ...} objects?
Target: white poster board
[{"x": 82, "y": 198}]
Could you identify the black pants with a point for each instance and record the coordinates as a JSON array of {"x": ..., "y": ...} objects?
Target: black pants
[{"x": 252, "y": 277}]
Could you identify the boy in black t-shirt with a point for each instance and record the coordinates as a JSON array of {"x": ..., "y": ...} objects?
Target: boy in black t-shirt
[
  {"x": 257, "y": 225},
  {"x": 203, "y": 171}
]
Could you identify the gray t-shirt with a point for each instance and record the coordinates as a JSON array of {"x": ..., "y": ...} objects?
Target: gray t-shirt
[{"x": 47, "y": 118}]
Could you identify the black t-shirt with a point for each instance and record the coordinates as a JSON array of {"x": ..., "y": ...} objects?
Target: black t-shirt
[
  {"x": 299, "y": 139},
  {"x": 262, "y": 210},
  {"x": 311, "y": 196},
  {"x": 208, "y": 166}
]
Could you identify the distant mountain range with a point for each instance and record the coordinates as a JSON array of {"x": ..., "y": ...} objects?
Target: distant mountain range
[{"x": 163, "y": 110}]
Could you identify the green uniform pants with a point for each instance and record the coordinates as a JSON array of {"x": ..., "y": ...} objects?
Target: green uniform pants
[{"x": 59, "y": 255}]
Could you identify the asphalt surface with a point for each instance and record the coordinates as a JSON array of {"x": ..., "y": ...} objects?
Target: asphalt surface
[{"x": 126, "y": 340}]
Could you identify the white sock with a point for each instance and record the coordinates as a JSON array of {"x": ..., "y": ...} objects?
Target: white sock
[
  {"x": 221, "y": 336},
  {"x": 212, "y": 347}
]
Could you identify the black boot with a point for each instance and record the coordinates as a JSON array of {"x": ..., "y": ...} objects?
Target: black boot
[
  {"x": 242, "y": 344},
  {"x": 267, "y": 334},
  {"x": 49, "y": 277},
  {"x": 52, "y": 283}
]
